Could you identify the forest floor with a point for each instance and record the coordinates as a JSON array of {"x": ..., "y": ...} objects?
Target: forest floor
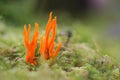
[{"x": 86, "y": 56}]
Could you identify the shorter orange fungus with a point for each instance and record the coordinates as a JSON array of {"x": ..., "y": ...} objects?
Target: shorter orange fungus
[{"x": 31, "y": 46}]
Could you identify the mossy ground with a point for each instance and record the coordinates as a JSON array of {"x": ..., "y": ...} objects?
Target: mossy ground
[{"x": 81, "y": 58}]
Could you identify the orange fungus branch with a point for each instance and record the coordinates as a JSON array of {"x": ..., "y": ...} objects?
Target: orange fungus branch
[
  {"x": 47, "y": 42},
  {"x": 31, "y": 46}
]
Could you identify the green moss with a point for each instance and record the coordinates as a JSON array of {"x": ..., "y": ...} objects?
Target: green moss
[{"x": 81, "y": 59}]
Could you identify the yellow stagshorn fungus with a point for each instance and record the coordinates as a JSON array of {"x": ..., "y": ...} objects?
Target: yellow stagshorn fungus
[
  {"x": 47, "y": 43},
  {"x": 31, "y": 46}
]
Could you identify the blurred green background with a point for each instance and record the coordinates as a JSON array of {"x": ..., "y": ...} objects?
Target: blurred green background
[{"x": 88, "y": 11}]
